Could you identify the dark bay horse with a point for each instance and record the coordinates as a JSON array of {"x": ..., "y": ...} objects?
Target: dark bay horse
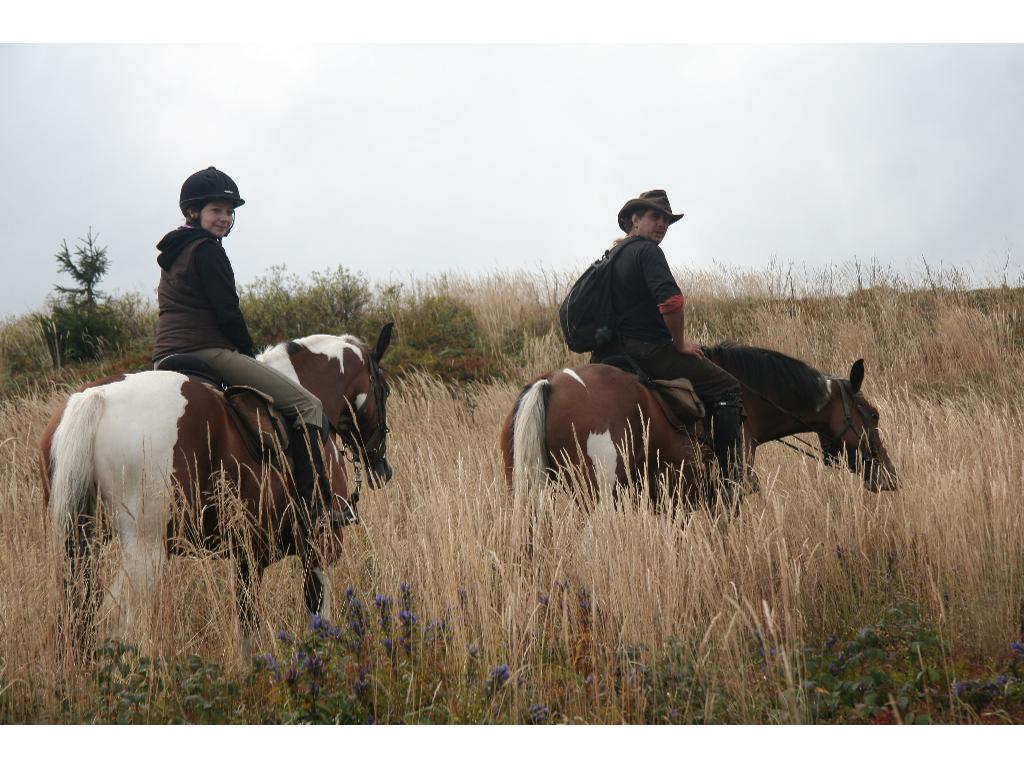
[
  {"x": 162, "y": 453},
  {"x": 602, "y": 422}
]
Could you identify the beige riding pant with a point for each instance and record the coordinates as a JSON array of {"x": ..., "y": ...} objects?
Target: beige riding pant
[{"x": 290, "y": 397}]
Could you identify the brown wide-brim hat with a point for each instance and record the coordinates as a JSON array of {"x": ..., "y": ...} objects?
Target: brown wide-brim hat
[{"x": 656, "y": 199}]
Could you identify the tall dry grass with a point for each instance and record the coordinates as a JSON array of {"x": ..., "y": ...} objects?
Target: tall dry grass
[{"x": 813, "y": 554}]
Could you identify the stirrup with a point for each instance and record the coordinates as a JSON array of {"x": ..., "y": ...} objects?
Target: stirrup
[{"x": 345, "y": 515}]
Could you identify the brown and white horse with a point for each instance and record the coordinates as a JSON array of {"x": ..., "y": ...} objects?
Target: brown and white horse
[
  {"x": 600, "y": 421},
  {"x": 164, "y": 456}
]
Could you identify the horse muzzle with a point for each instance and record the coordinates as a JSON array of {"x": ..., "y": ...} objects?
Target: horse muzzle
[
  {"x": 880, "y": 476},
  {"x": 379, "y": 473}
]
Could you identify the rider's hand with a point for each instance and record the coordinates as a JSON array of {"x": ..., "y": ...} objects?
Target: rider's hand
[{"x": 690, "y": 349}]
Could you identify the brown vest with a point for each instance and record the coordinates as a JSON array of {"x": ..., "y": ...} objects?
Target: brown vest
[{"x": 187, "y": 321}]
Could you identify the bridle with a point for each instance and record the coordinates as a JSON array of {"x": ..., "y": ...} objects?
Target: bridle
[
  {"x": 830, "y": 449},
  {"x": 867, "y": 418},
  {"x": 373, "y": 447}
]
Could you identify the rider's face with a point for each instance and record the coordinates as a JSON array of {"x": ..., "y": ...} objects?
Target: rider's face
[
  {"x": 651, "y": 224},
  {"x": 216, "y": 217}
]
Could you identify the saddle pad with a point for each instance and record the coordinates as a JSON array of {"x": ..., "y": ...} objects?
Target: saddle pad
[
  {"x": 679, "y": 401},
  {"x": 261, "y": 425}
]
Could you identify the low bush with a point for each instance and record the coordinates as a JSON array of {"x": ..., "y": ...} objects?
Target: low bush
[{"x": 280, "y": 306}]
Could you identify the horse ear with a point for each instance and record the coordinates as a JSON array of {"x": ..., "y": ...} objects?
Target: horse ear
[
  {"x": 383, "y": 341},
  {"x": 857, "y": 375}
]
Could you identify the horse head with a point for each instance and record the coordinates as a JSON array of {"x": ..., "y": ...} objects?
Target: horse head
[
  {"x": 348, "y": 378},
  {"x": 851, "y": 431},
  {"x": 370, "y": 436}
]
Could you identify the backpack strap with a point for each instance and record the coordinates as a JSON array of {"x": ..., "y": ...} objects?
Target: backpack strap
[{"x": 610, "y": 255}]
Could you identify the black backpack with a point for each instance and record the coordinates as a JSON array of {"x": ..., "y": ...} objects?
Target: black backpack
[{"x": 587, "y": 314}]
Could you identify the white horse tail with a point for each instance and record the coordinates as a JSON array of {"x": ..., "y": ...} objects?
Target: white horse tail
[
  {"x": 72, "y": 464},
  {"x": 529, "y": 443}
]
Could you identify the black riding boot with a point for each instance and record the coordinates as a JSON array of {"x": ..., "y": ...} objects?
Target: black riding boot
[
  {"x": 311, "y": 483},
  {"x": 727, "y": 440}
]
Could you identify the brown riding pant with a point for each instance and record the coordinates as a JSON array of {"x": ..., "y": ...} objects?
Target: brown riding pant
[
  {"x": 290, "y": 398},
  {"x": 714, "y": 386}
]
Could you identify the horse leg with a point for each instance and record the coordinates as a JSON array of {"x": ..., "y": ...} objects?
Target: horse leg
[
  {"x": 316, "y": 586},
  {"x": 80, "y": 596},
  {"x": 143, "y": 556},
  {"x": 247, "y": 581}
]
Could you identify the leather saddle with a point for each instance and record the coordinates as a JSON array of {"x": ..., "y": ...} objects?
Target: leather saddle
[
  {"x": 262, "y": 427},
  {"x": 678, "y": 399}
]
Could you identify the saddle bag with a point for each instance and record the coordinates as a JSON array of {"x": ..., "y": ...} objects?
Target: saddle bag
[
  {"x": 679, "y": 401},
  {"x": 677, "y": 397},
  {"x": 261, "y": 425}
]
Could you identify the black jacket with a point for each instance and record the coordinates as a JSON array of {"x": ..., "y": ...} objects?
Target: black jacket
[{"x": 197, "y": 296}]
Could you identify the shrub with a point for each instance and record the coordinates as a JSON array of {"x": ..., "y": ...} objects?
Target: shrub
[
  {"x": 280, "y": 306},
  {"x": 24, "y": 348},
  {"x": 81, "y": 324},
  {"x": 76, "y": 332},
  {"x": 436, "y": 332}
]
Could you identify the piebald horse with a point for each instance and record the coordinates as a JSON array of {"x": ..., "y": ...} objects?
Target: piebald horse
[
  {"x": 601, "y": 422},
  {"x": 162, "y": 453}
]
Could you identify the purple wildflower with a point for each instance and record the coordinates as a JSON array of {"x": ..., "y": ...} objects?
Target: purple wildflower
[
  {"x": 538, "y": 714},
  {"x": 964, "y": 686},
  {"x": 284, "y": 637},
  {"x": 271, "y": 664},
  {"x": 313, "y": 664},
  {"x": 1017, "y": 648},
  {"x": 361, "y": 683},
  {"x": 383, "y": 603},
  {"x": 357, "y": 619},
  {"x": 407, "y": 617},
  {"x": 584, "y": 597},
  {"x": 499, "y": 676}
]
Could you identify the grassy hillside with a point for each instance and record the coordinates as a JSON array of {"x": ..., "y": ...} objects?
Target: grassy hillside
[{"x": 820, "y": 603}]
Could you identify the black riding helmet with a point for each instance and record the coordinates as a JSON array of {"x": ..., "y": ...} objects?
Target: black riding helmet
[{"x": 203, "y": 186}]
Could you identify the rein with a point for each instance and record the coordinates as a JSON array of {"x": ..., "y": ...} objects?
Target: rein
[
  {"x": 834, "y": 442},
  {"x": 798, "y": 420}
]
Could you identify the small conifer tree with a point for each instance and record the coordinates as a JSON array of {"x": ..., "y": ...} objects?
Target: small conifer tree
[
  {"x": 81, "y": 324},
  {"x": 86, "y": 267}
]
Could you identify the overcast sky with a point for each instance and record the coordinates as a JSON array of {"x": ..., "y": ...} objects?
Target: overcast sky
[{"x": 416, "y": 159}]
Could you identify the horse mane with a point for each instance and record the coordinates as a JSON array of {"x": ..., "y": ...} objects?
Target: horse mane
[{"x": 791, "y": 383}]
